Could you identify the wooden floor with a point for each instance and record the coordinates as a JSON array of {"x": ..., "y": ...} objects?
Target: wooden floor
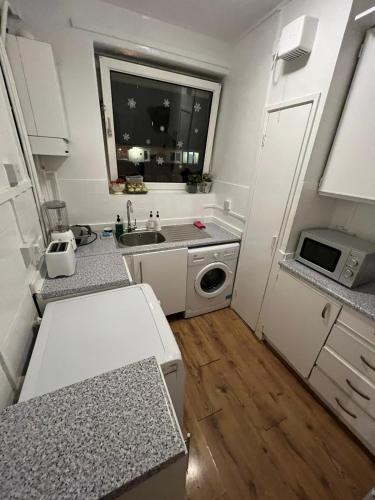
[{"x": 256, "y": 431}]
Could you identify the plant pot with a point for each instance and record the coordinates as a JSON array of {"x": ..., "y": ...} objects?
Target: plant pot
[
  {"x": 204, "y": 187},
  {"x": 191, "y": 188}
]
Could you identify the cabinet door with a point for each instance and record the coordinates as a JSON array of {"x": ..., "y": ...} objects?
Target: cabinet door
[
  {"x": 166, "y": 272},
  {"x": 278, "y": 164},
  {"x": 350, "y": 169},
  {"x": 298, "y": 321}
]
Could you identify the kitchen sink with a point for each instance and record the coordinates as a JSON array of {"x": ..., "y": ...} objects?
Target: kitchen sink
[{"x": 140, "y": 238}]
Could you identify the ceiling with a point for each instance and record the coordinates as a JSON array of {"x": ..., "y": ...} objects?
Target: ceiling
[{"x": 223, "y": 19}]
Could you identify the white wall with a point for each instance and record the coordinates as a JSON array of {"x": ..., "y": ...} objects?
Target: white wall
[
  {"x": 82, "y": 178},
  {"x": 241, "y": 114}
]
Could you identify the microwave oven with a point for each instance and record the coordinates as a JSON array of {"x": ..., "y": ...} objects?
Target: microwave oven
[{"x": 344, "y": 258}]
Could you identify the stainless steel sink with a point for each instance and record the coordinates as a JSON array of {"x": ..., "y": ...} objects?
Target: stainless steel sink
[{"x": 140, "y": 238}]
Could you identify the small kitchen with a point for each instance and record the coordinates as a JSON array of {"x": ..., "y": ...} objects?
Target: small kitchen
[{"x": 188, "y": 255}]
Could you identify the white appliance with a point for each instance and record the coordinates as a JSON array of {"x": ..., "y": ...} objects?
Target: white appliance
[
  {"x": 60, "y": 259},
  {"x": 297, "y": 38},
  {"x": 211, "y": 272},
  {"x": 88, "y": 335}
]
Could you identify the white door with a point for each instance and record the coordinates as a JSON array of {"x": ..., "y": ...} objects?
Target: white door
[
  {"x": 166, "y": 272},
  {"x": 298, "y": 321},
  {"x": 350, "y": 171},
  {"x": 277, "y": 167},
  {"x": 19, "y": 232}
]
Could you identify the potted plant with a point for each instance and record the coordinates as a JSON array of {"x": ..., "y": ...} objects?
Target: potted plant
[
  {"x": 192, "y": 183},
  {"x": 206, "y": 184}
]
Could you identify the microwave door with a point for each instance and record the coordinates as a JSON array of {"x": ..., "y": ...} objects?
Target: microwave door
[{"x": 322, "y": 256}]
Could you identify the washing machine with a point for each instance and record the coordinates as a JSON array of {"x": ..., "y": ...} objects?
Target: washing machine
[{"x": 211, "y": 272}]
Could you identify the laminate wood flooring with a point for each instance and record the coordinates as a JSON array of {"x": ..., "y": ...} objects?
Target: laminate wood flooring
[{"x": 257, "y": 432}]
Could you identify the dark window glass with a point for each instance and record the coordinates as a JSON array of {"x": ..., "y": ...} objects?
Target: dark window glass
[
  {"x": 322, "y": 255},
  {"x": 213, "y": 280},
  {"x": 160, "y": 128}
]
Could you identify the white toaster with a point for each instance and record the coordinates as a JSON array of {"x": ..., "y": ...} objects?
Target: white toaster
[{"x": 60, "y": 259}]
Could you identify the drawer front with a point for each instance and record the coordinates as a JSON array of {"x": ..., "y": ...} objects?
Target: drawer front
[
  {"x": 358, "y": 323},
  {"x": 345, "y": 408},
  {"x": 357, "y": 387},
  {"x": 355, "y": 351}
]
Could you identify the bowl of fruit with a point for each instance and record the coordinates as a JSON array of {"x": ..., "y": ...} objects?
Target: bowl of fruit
[{"x": 118, "y": 186}]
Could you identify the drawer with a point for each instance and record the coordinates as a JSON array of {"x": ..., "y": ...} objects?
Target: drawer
[
  {"x": 345, "y": 408},
  {"x": 357, "y": 387},
  {"x": 354, "y": 350},
  {"x": 357, "y": 322}
]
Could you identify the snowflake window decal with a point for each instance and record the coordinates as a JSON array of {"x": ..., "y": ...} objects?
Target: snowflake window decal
[
  {"x": 166, "y": 103},
  {"x": 148, "y": 141},
  {"x": 160, "y": 160},
  {"x": 126, "y": 137},
  {"x": 180, "y": 144},
  {"x": 196, "y": 130},
  {"x": 132, "y": 103},
  {"x": 197, "y": 107}
]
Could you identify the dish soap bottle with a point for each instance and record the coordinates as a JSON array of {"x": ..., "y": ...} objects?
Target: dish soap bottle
[
  {"x": 150, "y": 223},
  {"x": 119, "y": 228},
  {"x": 157, "y": 222}
]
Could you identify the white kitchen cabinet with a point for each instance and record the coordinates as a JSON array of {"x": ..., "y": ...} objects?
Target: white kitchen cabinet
[
  {"x": 350, "y": 171},
  {"x": 279, "y": 161},
  {"x": 166, "y": 272},
  {"x": 38, "y": 88},
  {"x": 298, "y": 321}
]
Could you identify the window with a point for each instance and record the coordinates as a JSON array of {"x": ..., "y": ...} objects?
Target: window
[{"x": 158, "y": 124}]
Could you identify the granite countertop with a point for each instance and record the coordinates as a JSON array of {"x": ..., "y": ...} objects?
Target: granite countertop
[
  {"x": 93, "y": 273},
  {"x": 94, "y": 439},
  {"x": 98, "y": 247},
  {"x": 186, "y": 235},
  {"x": 362, "y": 298}
]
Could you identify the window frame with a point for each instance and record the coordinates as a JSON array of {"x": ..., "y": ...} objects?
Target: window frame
[{"x": 108, "y": 64}]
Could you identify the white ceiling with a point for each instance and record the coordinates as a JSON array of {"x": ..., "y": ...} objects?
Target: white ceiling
[{"x": 223, "y": 19}]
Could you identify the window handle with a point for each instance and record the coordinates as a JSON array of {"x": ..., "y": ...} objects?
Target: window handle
[
  {"x": 353, "y": 415},
  {"x": 109, "y": 127},
  {"x": 364, "y": 396},
  {"x": 369, "y": 365}
]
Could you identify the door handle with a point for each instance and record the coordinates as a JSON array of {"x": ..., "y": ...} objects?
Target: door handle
[
  {"x": 353, "y": 415},
  {"x": 141, "y": 271},
  {"x": 273, "y": 242},
  {"x": 325, "y": 310},
  {"x": 109, "y": 127},
  {"x": 364, "y": 396},
  {"x": 367, "y": 363}
]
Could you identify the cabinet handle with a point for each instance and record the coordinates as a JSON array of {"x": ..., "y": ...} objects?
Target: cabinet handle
[
  {"x": 364, "y": 396},
  {"x": 109, "y": 127},
  {"x": 345, "y": 410},
  {"x": 367, "y": 363},
  {"x": 141, "y": 271},
  {"x": 325, "y": 310},
  {"x": 273, "y": 242}
]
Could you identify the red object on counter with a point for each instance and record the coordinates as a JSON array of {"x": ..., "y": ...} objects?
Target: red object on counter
[{"x": 199, "y": 224}]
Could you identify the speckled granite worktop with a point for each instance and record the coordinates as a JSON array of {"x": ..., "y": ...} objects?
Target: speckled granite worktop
[
  {"x": 212, "y": 235},
  {"x": 362, "y": 298},
  {"x": 94, "y": 439},
  {"x": 93, "y": 273}
]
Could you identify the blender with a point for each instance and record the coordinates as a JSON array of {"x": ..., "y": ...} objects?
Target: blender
[{"x": 58, "y": 222}]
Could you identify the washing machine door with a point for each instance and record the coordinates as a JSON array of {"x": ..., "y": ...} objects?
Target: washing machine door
[{"x": 212, "y": 279}]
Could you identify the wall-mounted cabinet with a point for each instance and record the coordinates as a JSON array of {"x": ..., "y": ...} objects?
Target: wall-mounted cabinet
[
  {"x": 350, "y": 171},
  {"x": 38, "y": 88}
]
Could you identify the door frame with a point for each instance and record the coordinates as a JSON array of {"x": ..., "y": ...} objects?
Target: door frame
[{"x": 306, "y": 148}]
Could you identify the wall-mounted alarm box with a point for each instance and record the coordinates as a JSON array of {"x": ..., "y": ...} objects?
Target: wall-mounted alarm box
[{"x": 297, "y": 38}]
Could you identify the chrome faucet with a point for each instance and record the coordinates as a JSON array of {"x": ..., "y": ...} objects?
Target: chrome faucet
[{"x": 129, "y": 210}]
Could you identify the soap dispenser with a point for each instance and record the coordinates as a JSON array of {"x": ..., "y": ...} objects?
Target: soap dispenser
[
  {"x": 157, "y": 222},
  {"x": 150, "y": 223},
  {"x": 119, "y": 228}
]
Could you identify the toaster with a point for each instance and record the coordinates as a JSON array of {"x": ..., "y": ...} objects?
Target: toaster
[{"x": 60, "y": 259}]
